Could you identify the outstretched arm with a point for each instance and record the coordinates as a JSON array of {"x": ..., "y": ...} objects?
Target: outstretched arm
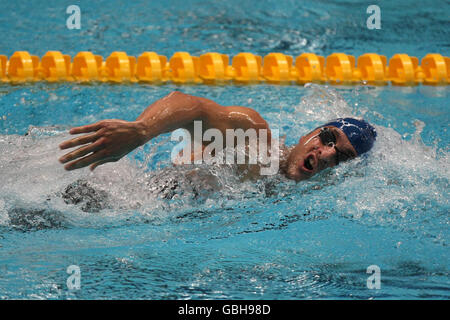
[{"x": 110, "y": 140}]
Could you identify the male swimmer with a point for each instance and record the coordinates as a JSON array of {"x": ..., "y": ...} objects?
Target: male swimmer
[{"x": 109, "y": 140}]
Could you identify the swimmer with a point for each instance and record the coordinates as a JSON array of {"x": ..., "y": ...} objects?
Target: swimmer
[{"x": 109, "y": 140}]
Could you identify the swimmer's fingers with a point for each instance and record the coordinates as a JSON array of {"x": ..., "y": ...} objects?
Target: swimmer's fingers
[
  {"x": 99, "y": 163},
  {"x": 80, "y": 152},
  {"x": 80, "y": 140},
  {"x": 87, "y": 128},
  {"x": 84, "y": 162}
]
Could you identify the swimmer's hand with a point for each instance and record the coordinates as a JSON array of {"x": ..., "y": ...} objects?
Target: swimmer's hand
[{"x": 105, "y": 141}]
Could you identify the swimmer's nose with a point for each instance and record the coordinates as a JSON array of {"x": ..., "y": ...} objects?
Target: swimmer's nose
[{"x": 327, "y": 155}]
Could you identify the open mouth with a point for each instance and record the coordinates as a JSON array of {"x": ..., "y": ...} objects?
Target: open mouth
[{"x": 309, "y": 163}]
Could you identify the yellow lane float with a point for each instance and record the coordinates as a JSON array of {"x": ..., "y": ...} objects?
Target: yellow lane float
[{"x": 214, "y": 68}]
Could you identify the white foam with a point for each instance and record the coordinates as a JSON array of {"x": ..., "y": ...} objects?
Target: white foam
[{"x": 397, "y": 178}]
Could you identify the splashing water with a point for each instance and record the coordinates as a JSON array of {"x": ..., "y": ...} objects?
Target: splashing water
[
  {"x": 406, "y": 178},
  {"x": 397, "y": 193}
]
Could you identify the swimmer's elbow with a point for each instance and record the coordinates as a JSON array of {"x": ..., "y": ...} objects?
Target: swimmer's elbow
[
  {"x": 203, "y": 108},
  {"x": 178, "y": 95}
]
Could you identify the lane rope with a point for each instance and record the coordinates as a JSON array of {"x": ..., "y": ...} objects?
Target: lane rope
[{"x": 215, "y": 68}]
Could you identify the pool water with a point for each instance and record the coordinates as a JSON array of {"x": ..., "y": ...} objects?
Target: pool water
[{"x": 269, "y": 239}]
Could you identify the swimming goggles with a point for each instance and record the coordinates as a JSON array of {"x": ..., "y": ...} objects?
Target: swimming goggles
[{"x": 328, "y": 138}]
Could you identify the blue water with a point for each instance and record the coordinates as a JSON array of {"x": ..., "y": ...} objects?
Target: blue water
[{"x": 271, "y": 239}]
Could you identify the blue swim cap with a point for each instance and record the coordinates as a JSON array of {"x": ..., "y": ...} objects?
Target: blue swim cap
[{"x": 360, "y": 133}]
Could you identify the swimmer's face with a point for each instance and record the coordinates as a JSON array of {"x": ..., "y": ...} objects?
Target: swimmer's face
[{"x": 317, "y": 151}]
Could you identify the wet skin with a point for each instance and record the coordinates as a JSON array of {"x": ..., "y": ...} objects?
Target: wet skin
[
  {"x": 110, "y": 140},
  {"x": 311, "y": 156}
]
